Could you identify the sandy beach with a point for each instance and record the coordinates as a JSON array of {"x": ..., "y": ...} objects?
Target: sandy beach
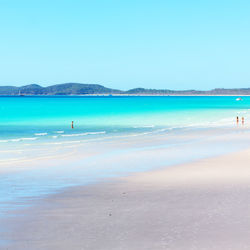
[
  {"x": 124, "y": 125},
  {"x": 200, "y": 205}
]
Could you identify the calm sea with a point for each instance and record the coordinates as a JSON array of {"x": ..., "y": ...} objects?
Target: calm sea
[
  {"x": 37, "y": 118},
  {"x": 111, "y": 136}
]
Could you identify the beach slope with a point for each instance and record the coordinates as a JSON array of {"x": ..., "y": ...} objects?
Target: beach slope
[{"x": 200, "y": 205}]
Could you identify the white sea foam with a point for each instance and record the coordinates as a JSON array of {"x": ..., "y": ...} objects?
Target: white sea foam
[
  {"x": 29, "y": 139},
  {"x": 40, "y": 134},
  {"x": 23, "y": 139},
  {"x": 86, "y": 133},
  {"x": 242, "y": 112},
  {"x": 145, "y": 126},
  {"x": 15, "y": 140},
  {"x": 59, "y": 132}
]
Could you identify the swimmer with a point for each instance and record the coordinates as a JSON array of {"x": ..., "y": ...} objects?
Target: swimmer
[{"x": 72, "y": 124}]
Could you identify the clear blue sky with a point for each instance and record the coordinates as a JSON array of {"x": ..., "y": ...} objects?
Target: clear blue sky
[{"x": 177, "y": 44}]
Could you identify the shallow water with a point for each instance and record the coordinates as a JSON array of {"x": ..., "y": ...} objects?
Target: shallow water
[
  {"x": 26, "y": 122},
  {"x": 113, "y": 136},
  {"x": 36, "y": 118}
]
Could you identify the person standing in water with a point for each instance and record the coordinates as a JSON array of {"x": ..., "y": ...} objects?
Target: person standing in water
[
  {"x": 72, "y": 124},
  {"x": 237, "y": 120},
  {"x": 242, "y": 120}
]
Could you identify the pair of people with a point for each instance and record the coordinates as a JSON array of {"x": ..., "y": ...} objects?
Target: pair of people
[{"x": 242, "y": 120}]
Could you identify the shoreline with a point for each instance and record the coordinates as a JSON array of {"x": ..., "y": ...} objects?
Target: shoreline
[
  {"x": 125, "y": 95},
  {"x": 27, "y": 181},
  {"x": 190, "y": 206}
]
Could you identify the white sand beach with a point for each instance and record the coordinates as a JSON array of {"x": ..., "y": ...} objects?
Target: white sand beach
[
  {"x": 124, "y": 125},
  {"x": 200, "y": 205}
]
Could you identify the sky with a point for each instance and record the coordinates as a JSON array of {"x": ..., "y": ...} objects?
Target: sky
[{"x": 177, "y": 44}]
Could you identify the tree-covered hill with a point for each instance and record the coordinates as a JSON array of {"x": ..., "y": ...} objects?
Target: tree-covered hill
[{"x": 96, "y": 89}]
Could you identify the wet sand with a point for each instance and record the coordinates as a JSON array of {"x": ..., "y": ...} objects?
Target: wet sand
[{"x": 200, "y": 205}]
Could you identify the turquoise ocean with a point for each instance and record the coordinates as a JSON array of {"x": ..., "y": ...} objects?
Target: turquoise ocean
[
  {"x": 119, "y": 134},
  {"x": 39, "y": 118}
]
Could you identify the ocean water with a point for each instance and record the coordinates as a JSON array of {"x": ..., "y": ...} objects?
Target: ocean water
[
  {"x": 41, "y": 154},
  {"x": 36, "y": 118}
]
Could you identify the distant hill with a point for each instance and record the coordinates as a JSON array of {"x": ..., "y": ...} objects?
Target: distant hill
[
  {"x": 138, "y": 91},
  {"x": 95, "y": 89},
  {"x": 58, "y": 89},
  {"x": 78, "y": 89}
]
